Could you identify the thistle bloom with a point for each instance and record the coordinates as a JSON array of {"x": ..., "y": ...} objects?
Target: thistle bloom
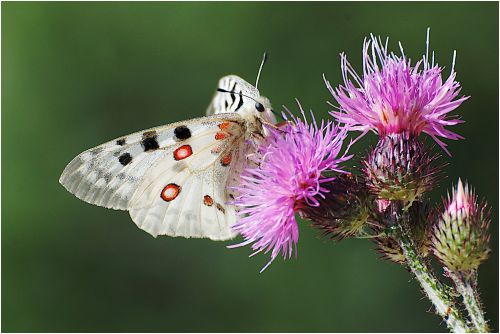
[
  {"x": 394, "y": 97},
  {"x": 288, "y": 175}
]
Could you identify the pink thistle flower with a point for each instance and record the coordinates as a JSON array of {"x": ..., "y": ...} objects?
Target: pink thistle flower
[
  {"x": 394, "y": 97},
  {"x": 288, "y": 174},
  {"x": 463, "y": 201}
]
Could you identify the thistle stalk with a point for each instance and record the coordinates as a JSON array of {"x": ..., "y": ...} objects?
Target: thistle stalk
[
  {"x": 466, "y": 285},
  {"x": 435, "y": 291},
  {"x": 433, "y": 288}
]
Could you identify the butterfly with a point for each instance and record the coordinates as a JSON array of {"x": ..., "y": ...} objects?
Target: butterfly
[{"x": 175, "y": 179}]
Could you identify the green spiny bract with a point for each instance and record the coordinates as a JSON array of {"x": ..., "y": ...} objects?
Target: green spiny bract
[
  {"x": 420, "y": 224},
  {"x": 400, "y": 168},
  {"x": 345, "y": 211}
]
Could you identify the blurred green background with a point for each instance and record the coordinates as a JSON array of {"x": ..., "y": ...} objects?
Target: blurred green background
[{"x": 75, "y": 75}]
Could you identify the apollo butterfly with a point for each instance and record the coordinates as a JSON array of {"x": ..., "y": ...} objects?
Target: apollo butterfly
[{"x": 175, "y": 179}]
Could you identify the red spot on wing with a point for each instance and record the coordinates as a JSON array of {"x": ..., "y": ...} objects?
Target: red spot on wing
[
  {"x": 221, "y": 135},
  {"x": 207, "y": 200},
  {"x": 183, "y": 152},
  {"x": 226, "y": 160},
  {"x": 170, "y": 192},
  {"x": 224, "y": 126}
]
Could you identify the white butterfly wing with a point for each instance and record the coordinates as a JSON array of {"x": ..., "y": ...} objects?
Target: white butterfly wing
[
  {"x": 133, "y": 173},
  {"x": 109, "y": 174}
]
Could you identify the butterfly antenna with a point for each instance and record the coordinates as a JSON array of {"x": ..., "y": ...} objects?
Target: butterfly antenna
[
  {"x": 232, "y": 92},
  {"x": 264, "y": 59}
]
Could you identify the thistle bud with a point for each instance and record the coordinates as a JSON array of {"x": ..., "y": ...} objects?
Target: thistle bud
[
  {"x": 344, "y": 210},
  {"x": 460, "y": 237},
  {"x": 400, "y": 168}
]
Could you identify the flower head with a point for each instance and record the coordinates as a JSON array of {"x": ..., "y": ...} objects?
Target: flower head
[
  {"x": 288, "y": 174},
  {"x": 394, "y": 97},
  {"x": 460, "y": 237}
]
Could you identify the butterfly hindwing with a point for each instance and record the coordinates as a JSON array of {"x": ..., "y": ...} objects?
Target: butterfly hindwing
[
  {"x": 194, "y": 205},
  {"x": 186, "y": 194}
]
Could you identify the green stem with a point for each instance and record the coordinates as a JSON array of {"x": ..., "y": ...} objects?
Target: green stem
[
  {"x": 466, "y": 285},
  {"x": 432, "y": 287}
]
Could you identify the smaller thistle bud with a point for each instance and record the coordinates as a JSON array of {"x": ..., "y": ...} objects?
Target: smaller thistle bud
[
  {"x": 400, "y": 168},
  {"x": 421, "y": 219},
  {"x": 460, "y": 237},
  {"x": 345, "y": 209}
]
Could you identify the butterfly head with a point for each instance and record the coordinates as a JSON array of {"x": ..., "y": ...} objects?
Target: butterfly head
[
  {"x": 236, "y": 95},
  {"x": 263, "y": 110}
]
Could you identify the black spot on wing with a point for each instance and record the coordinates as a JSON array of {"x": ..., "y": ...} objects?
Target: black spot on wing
[
  {"x": 149, "y": 141},
  {"x": 182, "y": 132},
  {"x": 121, "y": 142},
  {"x": 125, "y": 159},
  {"x": 150, "y": 144},
  {"x": 233, "y": 97},
  {"x": 240, "y": 103}
]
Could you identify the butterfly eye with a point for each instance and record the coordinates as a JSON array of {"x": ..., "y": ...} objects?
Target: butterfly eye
[{"x": 259, "y": 107}]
